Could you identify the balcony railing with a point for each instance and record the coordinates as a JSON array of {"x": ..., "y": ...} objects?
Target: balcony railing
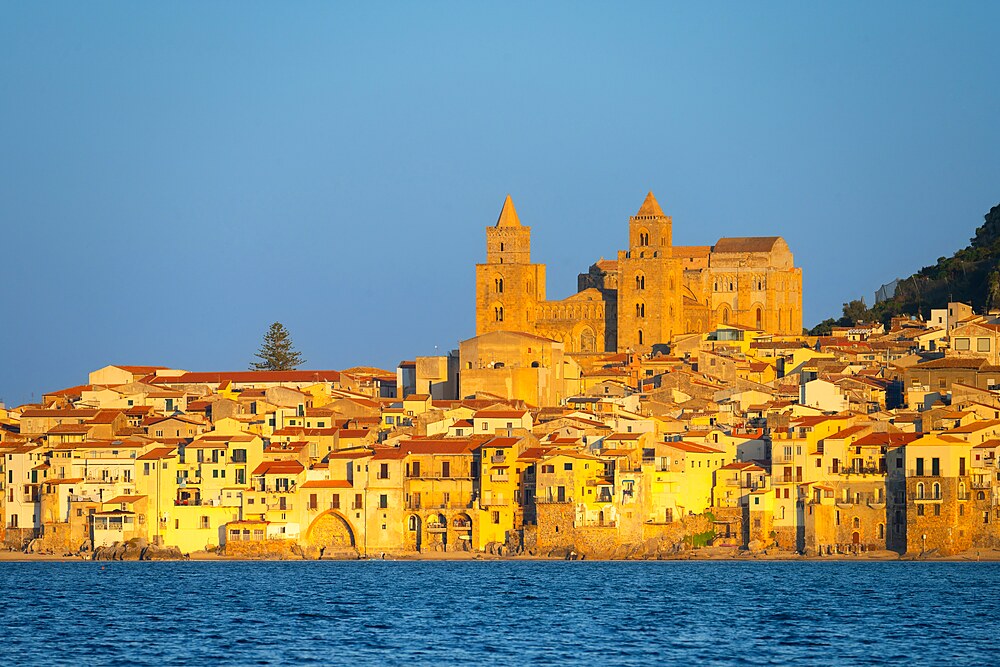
[
  {"x": 862, "y": 470},
  {"x": 546, "y": 500},
  {"x": 498, "y": 458},
  {"x": 787, "y": 479}
]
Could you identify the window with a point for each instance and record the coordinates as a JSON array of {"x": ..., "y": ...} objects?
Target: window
[
  {"x": 548, "y": 469},
  {"x": 446, "y": 469},
  {"x": 920, "y": 510},
  {"x": 567, "y": 466},
  {"x": 937, "y": 510},
  {"x": 496, "y": 516},
  {"x": 920, "y": 468},
  {"x": 313, "y": 501},
  {"x": 383, "y": 501},
  {"x": 412, "y": 523},
  {"x": 962, "y": 343},
  {"x": 383, "y": 471},
  {"x": 205, "y": 523},
  {"x": 982, "y": 344},
  {"x": 937, "y": 491},
  {"x": 335, "y": 502},
  {"x": 936, "y": 467}
]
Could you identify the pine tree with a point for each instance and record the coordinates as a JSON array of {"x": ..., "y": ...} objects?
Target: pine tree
[{"x": 276, "y": 352}]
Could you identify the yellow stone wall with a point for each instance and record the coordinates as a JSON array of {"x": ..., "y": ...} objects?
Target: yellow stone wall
[{"x": 652, "y": 293}]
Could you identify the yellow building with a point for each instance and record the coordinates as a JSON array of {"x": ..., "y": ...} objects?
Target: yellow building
[{"x": 651, "y": 293}]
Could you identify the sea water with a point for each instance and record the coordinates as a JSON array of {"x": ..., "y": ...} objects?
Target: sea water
[{"x": 498, "y": 613}]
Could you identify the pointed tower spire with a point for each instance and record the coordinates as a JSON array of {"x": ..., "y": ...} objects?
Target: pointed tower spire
[
  {"x": 508, "y": 216},
  {"x": 650, "y": 207}
]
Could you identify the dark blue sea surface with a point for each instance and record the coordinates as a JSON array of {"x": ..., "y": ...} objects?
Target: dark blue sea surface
[{"x": 499, "y": 613}]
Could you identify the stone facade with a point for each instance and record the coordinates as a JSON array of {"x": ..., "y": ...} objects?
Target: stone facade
[{"x": 651, "y": 293}]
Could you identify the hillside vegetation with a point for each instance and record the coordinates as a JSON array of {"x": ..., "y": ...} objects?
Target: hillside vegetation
[{"x": 971, "y": 275}]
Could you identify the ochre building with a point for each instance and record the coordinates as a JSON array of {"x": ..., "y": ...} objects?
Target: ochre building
[{"x": 651, "y": 293}]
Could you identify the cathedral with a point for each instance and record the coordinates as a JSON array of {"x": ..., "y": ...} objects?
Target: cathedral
[{"x": 652, "y": 292}]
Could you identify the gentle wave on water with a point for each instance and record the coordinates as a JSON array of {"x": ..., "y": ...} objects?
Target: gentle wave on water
[{"x": 497, "y": 612}]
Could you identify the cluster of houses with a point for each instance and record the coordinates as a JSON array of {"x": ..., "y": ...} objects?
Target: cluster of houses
[{"x": 865, "y": 440}]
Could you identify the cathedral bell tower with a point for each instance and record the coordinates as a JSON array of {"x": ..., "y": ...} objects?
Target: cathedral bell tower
[
  {"x": 649, "y": 287},
  {"x": 508, "y": 285}
]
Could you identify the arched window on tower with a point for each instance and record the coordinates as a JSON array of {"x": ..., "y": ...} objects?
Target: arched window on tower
[
  {"x": 640, "y": 310},
  {"x": 498, "y": 283},
  {"x": 640, "y": 281},
  {"x": 640, "y": 336},
  {"x": 643, "y": 237},
  {"x": 501, "y": 246},
  {"x": 760, "y": 318},
  {"x": 498, "y": 313}
]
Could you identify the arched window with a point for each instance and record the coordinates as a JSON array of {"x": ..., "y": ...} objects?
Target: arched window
[
  {"x": 640, "y": 336},
  {"x": 760, "y": 318},
  {"x": 670, "y": 284},
  {"x": 725, "y": 316},
  {"x": 643, "y": 237},
  {"x": 501, "y": 246},
  {"x": 980, "y": 496},
  {"x": 937, "y": 491},
  {"x": 881, "y": 531},
  {"x": 920, "y": 491},
  {"x": 640, "y": 281},
  {"x": 412, "y": 524},
  {"x": 781, "y": 512},
  {"x": 857, "y": 522},
  {"x": 498, "y": 284},
  {"x": 640, "y": 310},
  {"x": 961, "y": 491},
  {"x": 498, "y": 313}
]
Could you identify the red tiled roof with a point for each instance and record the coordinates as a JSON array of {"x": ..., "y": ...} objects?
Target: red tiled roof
[
  {"x": 327, "y": 484},
  {"x": 279, "y": 468},
  {"x": 249, "y": 377}
]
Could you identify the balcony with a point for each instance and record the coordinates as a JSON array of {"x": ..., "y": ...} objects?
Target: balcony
[
  {"x": 437, "y": 528},
  {"x": 502, "y": 479},
  {"x": 553, "y": 501},
  {"x": 462, "y": 525},
  {"x": 980, "y": 484},
  {"x": 498, "y": 458},
  {"x": 787, "y": 479},
  {"x": 862, "y": 470}
]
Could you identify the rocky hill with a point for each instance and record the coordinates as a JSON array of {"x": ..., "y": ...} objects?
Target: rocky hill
[{"x": 971, "y": 275}]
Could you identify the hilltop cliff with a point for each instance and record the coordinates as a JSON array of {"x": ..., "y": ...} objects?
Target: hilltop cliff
[{"x": 971, "y": 275}]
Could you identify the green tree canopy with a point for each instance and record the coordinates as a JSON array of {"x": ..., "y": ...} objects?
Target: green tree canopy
[{"x": 276, "y": 353}]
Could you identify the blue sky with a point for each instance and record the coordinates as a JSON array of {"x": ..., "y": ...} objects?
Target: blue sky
[{"x": 177, "y": 176}]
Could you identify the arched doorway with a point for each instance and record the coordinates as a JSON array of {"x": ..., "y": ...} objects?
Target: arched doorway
[
  {"x": 461, "y": 525},
  {"x": 413, "y": 533},
  {"x": 588, "y": 341},
  {"x": 330, "y": 530},
  {"x": 437, "y": 532},
  {"x": 855, "y": 538}
]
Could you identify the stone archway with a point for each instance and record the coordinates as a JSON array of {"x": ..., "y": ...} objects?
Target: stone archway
[{"x": 331, "y": 530}]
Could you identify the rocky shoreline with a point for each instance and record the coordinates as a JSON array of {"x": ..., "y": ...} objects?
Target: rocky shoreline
[{"x": 139, "y": 550}]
